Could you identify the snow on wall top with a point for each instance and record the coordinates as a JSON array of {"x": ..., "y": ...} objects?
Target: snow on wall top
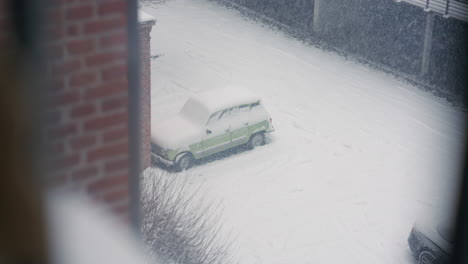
[
  {"x": 145, "y": 17},
  {"x": 220, "y": 99},
  {"x": 455, "y": 9}
]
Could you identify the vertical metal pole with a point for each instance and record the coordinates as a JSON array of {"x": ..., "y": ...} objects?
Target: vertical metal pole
[
  {"x": 134, "y": 113},
  {"x": 316, "y": 26},
  {"x": 427, "y": 48},
  {"x": 447, "y": 8},
  {"x": 427, "y": 5}
]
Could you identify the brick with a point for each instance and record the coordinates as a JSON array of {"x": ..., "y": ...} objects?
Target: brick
[
  {"x": 112, "y": 7},
  {"x": 114, "y": 72},
  {"x": 64, "y": 162},
  {"x": 107, "y": 183},
  {"x": 73, "y": 30},
  {"x": 62, "y": 131},
  {"x": 107, "y": 89},
  {"x": 117, "y": 165},
  {"x": 82, "y": 79},
  {"x": 121, "y": 209},
  {"x": 115, "y": 135},
  {"x": 82, "y": 110},
  {"x": 107, "y": 152},
  {"x": 64, "y": 98},
  {"x": 80, "y": 46},
  {"x": 117, "y": 195},
  {"x": 104, "y": 58},
  {"x": 80, "y": 12},
  {"x": 66, "y": 67},
  {"x": 105, "y": 25},
  {"x": 120, "y": 102},
  {"x": 81, "y": 142},
  {"x": 85, "y": 173},
  {"x": 112, "y": 40},
  {"x": 106, "y": 121}
]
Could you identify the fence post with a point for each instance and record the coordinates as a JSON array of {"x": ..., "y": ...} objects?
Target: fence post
[
  {"x": 316, "y": 27},
  {"x": 426, "y": 53}
]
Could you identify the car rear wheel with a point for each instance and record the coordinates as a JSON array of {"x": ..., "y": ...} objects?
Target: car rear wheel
[
  {"x": 184, "y": 162},
  {"x": 256, "y": 140},
  {"x": 426, "y": 258}
]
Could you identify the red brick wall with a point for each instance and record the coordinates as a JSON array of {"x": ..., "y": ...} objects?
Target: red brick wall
[
  {"x": 87, "y": 113},
  {"x": 87, "y": 96}
]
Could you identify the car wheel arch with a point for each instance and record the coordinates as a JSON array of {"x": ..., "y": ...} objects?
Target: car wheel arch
[
  {"x": 181, "y": 164},
  {"x": 249, "y": 142},
  {"x": 258, "y": 130},
  {"x": 181, "y": 154}
]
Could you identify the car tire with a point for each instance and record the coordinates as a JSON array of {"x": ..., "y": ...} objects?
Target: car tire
[
  {"x": 426, "y": 257},
  {"x": 256, "y": 140},
  {"x": 184, "y": 162}
]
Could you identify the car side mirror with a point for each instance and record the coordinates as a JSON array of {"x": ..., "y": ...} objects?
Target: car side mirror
[{"x": 208, "y": 131}]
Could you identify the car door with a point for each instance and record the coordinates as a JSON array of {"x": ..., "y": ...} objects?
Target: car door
[
  {"x": 217, "y": 135},
  {"x": 239, "y": 121}
]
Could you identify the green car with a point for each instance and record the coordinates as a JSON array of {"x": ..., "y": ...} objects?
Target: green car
[{"x": 208, "y": 123}]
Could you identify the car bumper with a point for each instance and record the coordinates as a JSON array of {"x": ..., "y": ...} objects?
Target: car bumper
[{"x": 162, "y": 160}]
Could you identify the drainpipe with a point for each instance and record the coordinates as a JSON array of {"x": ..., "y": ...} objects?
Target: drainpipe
[{"x": 133, "y": 75}]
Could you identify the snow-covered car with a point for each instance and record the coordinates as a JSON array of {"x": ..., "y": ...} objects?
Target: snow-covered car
[
  {"x": 431, "y": 244},
  {"x": 208, "y": 123}
]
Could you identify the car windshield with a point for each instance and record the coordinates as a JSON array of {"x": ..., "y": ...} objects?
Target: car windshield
[{"x": 195, "y": 112}]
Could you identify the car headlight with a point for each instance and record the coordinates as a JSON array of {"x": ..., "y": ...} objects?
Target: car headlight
[{"x": 158, "y": 150}]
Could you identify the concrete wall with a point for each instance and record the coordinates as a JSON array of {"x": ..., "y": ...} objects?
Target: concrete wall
[{"x": 381, "y": 32}]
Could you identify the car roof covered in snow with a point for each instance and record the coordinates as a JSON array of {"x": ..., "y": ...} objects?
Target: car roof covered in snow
[{"x": 223, "y": 98}]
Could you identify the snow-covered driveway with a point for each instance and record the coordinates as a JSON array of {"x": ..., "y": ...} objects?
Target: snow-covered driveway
[{"x": 356, "y": 157}]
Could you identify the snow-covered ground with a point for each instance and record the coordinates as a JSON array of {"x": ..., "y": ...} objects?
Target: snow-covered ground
[{"x": 356, "y": 158}]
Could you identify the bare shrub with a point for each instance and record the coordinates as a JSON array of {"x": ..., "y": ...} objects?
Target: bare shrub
[{"x": 178, "y": 228}]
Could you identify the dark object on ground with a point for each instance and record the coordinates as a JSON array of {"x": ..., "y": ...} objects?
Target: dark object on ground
[{"x": 432, "y": 244}]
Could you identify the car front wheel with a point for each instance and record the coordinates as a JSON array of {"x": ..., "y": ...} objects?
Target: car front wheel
[
  {"x": 256, "y": 140},
  {"x": 427, "y": 258},
  {"x": 184, "y": 162}
]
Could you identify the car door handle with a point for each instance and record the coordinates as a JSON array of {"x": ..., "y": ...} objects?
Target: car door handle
[
  {"x": 246, "y": 124},
  {"x": 227, "y": 130}
]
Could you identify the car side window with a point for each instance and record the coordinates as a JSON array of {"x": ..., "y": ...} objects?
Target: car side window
[
  {"x": 234, "y": 111},
  {"x": 225, "y": 114},
  {"x": 254, "y": 105},
  {"x": 214, "y": 117},
  {"x": 244, "y": 108}
]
